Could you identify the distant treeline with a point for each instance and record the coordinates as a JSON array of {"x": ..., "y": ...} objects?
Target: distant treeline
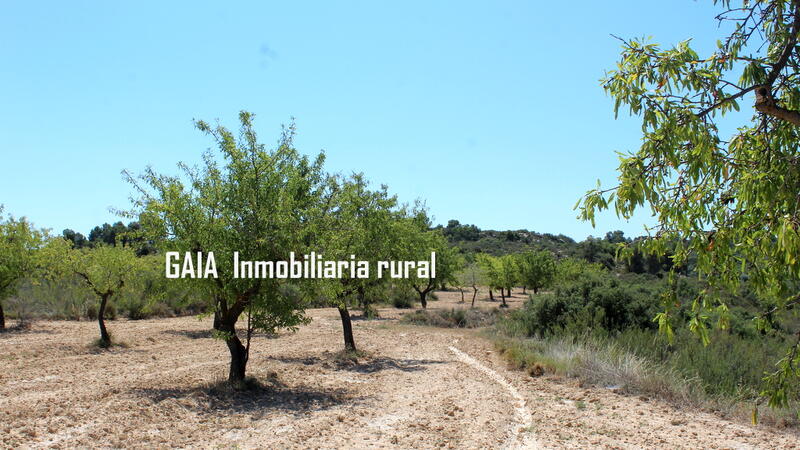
[
  {"x": 471, "y": 239},
  {"x": 111, "y": 234}
]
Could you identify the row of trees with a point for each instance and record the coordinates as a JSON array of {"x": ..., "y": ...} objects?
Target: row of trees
[
  {"x": 532, "y": 270},
  {"x": 262, "y": 203}
]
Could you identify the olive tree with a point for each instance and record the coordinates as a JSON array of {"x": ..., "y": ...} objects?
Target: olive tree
[
  {"x": 723, "y": 186},
  {"x": 262, "y": 203}
]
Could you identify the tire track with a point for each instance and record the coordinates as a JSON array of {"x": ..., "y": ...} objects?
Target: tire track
[{"x": 523, "y": 415}]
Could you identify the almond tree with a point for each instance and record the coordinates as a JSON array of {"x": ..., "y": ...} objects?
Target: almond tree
[
  {"x": 722, "y": 186},
  {"x": 473, "y": 276},
  {"x": 19, "y": 241},
  {"x": 361, "y": 223},
  {"x": 104, "y": 271},
  {"x": 263, "y": 203},
  {"x": 537, "y": 269},
  {"x": 418, "y": 241}
]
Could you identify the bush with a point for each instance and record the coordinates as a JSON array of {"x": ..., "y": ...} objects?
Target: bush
[
  {"x": 596, "y": 301},
  {"x": 402, "y": 298},
  {"x": 454, "y": 318},
  {"x": 598, "y": 326}
]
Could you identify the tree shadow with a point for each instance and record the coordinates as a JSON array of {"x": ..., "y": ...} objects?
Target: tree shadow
[
  {"x": 383, "y": 363},
  {"x": 362, "y": 364},
  {"x": 257, "y": 399},
  {"x": 362, "y": 318},
  {"x": 17, "y": 330},
  {"x": 208, "y": 334},
  {"x": 191, "y": 334}
]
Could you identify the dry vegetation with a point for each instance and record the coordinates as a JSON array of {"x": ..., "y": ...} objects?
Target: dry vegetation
[{"x": 407, "y": 388}]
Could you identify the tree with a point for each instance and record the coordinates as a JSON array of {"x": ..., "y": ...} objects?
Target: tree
[
  {"x": 472, "y": 275},
  {"x": 78, "y": 240},
  {"x": 358, "y": 223},
  {"x": 455, "y": 231},
  {"x": 596, "y": 250},
  {"x": 537, "y": 269},
  {"x": 105, "y": 270},
  {"x": 501, "y": 273},
  {"x": 508, "y": 274},
  {"x": 416, "y": 241},
  {"x": 723, "y": 186},
  {"x": 19, "y": 241},
  {"x": 489, "y": 267},
  {"x": 262, "y": 203},
  {"x": 107, "y": 234}
]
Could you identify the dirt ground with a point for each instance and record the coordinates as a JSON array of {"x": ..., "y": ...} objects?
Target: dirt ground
[{"x": 416, "y": 387}]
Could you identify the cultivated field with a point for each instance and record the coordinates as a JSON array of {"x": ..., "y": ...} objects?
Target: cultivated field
[{"x": 414, "y": 387}]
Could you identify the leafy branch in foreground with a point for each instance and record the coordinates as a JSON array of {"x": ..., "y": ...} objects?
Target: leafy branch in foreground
[{"x": 727, "y": 198}]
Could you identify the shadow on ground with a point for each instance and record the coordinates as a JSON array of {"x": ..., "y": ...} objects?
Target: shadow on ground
[
  {"x": 207, "y": 334},
  {"x": 16, "y": 330},
  {"x": 359, "y": 364},
  {"x": 191, "y": 334},
  {"x": 258, "y": 400}
]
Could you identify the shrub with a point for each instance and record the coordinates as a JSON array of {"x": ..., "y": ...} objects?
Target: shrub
[
  {"x": 594, "y": 301},
  {"x": 454, "y": 318}
]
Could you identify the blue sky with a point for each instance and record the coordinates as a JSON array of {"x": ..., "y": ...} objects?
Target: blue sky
[{"x": 491, "y": 112}]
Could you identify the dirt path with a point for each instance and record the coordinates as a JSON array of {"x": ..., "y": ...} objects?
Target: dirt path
[{"x": 417, "y": 387}]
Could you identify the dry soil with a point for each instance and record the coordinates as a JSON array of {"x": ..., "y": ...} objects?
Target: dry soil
[{"x": 415, "y": 387}]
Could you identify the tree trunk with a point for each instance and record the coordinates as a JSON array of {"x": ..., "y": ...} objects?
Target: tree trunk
[
  {"x": 524, "y": 290},
  {"x": 503, "y": 294},
  {"x": 347, "y": 328},
  {"x": 239, "y": 359},
  {"x": 105, "y": 338},
  {"x": 2, "y": 317},
  {"x": 535, "y": 290},
  {"x": 423, "y": 299},
  {"x": 491, "y": 296},
  {"x": 474, "y": 294},
  {"x": 509, "y": 292},
  {"x": 462, "y": 293},
  {"x": 239, "y": 353}
]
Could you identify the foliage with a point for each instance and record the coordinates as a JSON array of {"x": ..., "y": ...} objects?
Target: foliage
[
  {"x": 263, "y": 203},
  {"x": 454, "y": 318},
  {"x": 592, "y": 301},
  {"x": 19, "y": 241},
  {"x": 416, "y": 241},
  {"x": 455, "y": 231},
  {"x": 723, "y": 186},
  {"x": 104, "y": 271},
  {"x": 597, "y": 326},
  {"x": 472, "y": 276},
  {"x": 537, "y": 270},
  {"x": 358, "y": 224}
]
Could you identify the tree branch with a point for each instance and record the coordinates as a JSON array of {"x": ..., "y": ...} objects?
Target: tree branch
[{"x": 778, "y": 112}]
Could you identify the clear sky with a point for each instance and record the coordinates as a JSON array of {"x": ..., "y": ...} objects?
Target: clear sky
[{"x": 491, "y": 112}]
